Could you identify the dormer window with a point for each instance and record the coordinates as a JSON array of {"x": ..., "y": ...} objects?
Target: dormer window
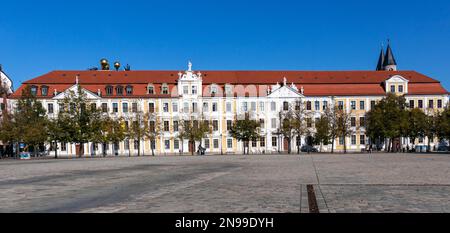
[
  {"x": 165, "y": 89},
  {"x": 119, "y": 90},
  {"x": 393, "y": 88},
  {"x": 228, "y": 89},
  {"x": 400, "y": 88},
  {"x": 213, "y": 89},
  {"x": 129, "y": 90},
  {"x": 151, "y": 89},
  {"x": 44, "y": 90},
  {"x": 109, "y": 90},
  {"x": 34, "y": 90}
]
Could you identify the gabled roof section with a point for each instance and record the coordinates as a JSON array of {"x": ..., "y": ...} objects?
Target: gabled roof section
[
  {"x": 89, "y": 95},
  {"x": 285, "y": 92}
]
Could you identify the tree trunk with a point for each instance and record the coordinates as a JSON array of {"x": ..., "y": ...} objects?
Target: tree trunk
[
  {"x": 289, "y": 146},
  {"x": 56, "y": 150},
  {"x": 429, "y": 145},
  {"x": 139, "y": 147},
  {"x": 153, "y": 152},
  {"x": 182, "y": 147},
  {"x": 332, "y": 145},
  {"x": 345, "y": 145}
]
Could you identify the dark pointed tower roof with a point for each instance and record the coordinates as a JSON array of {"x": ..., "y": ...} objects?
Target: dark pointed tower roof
[
  {"x": 389, "y": 58},
  {"x": 380, "y": 65}
]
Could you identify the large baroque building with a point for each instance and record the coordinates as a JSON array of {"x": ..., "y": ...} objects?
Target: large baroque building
[{"x": 220, "y": 96}]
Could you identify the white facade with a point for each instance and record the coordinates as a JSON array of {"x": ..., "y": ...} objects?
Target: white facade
[{"x": 194, "y": 100}]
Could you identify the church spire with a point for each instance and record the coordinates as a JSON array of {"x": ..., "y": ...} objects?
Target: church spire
[
  {"x": 389, "y": 61},
  {"x": 380, "y": 65}
]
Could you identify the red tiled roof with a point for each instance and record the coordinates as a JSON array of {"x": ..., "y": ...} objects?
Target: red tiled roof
[{"x": 315, "y": 83}]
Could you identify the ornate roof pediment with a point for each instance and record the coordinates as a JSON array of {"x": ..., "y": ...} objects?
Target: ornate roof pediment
[
  {"x": 89, "y": 95},
  {"x": 397, "y": 79}
]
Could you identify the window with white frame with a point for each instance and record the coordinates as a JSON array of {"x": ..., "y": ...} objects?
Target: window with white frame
[
  {"x": 229, "y": 108},
  {"x": 228, "y": 90},
  {"x": 166, "y": 107},
  {"x": 273, "y": 106},
  {"x": 353, "y": 139},
  {"x": 230, "y": 143},
  {"x": 175, "y": 107},
  {"x": 167, "y": 144},
  {"x": 274, "y": 123},
  {"x": 353, "y": 105},
  {"x": 176, "y": 144},
  {"x": 207, "y": 144}
]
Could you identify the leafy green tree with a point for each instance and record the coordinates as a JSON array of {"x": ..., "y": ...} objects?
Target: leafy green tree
[
  {"x": 79, "y": 119},
  {"x": 332, "y": 116},
  {"x": 389, "y": 119},
  {"x": 431, "y": 129},
  {"x": 194, "y": 130},
  {"x": 443, "y": 124},
  {"x": 299, "y": 125},
  {"x": 287, "y": 127},
  {"x": 57, "y": 132},
  {"x": 7, "y": 129},
  {"x": 323, "y": 131},
  {"x": 245, "y": 130},
  {"x": 30, "y": 121},
  {"x": 154, "y": 130},
  {"x": 344, "y": 128},
  {"x": 417, "y": 123},
  {"x": 139, "y": 128}
]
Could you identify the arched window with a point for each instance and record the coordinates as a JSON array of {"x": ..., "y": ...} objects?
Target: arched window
[
  {"x": 165, "y": 89},
  {"x": 150, "y": 89}
]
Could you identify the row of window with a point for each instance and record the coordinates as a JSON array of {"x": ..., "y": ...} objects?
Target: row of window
[
  {"x": 119, "y": 90},
  {"x": 420, "y": 104},
  {"x": 353, "y": 140},
  {"x": 44, "y": 90},
  {"x": 215, "y": 143},
  {"x": 400, "y": 89},
  {"x": 246, "y": 107}
]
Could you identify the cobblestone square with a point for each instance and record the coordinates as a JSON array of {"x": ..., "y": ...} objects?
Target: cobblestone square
[{"x": 356, "y": 183}]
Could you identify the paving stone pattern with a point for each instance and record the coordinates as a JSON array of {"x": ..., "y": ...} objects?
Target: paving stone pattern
[{"x": 374, "y": 183}]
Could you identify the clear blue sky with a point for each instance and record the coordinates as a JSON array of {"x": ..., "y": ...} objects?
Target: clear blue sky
[{"x": 40, "y": 36}]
